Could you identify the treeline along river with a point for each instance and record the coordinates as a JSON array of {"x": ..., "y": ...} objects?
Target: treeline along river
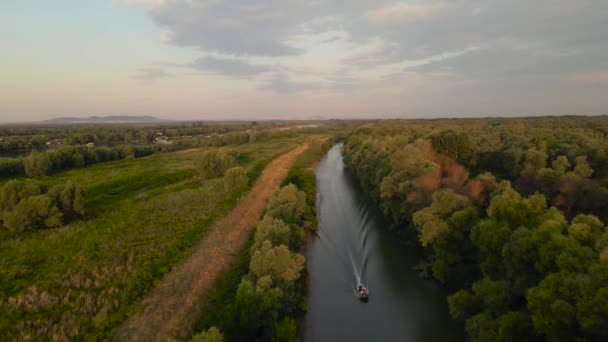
[{"x": 354, "y": 245}]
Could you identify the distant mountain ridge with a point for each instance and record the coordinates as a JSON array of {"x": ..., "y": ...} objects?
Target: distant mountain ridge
[{"x": 105, "y": 119}]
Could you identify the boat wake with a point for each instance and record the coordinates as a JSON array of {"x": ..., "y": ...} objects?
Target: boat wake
[{"x": 354, "y": 260}]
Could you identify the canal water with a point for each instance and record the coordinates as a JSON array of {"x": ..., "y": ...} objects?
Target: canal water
[{"x": 354, "y": 245}]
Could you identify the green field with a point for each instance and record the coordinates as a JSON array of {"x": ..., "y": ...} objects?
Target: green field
[{"x": 142, "y": 217}]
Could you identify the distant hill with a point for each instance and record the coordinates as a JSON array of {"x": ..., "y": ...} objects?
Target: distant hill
[{"x": 105, "y": 119}]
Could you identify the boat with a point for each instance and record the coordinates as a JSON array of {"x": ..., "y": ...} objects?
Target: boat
[{"x": 363, "y": 293}]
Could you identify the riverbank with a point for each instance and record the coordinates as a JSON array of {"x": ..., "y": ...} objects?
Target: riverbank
[
  {"x": 170, "y": 310},
  {"x": 354, "y": 244},
  {"x": 224, "y": 303}
]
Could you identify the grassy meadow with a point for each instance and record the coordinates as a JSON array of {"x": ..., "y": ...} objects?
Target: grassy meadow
[{"x": 142, "y": 217}]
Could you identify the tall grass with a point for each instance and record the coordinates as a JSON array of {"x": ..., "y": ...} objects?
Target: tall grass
[{"x": 144, "y": 216}]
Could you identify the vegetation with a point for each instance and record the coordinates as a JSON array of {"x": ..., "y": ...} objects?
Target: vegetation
[
  {"x": 277, "y": 238},
  {"x": 509, "y": 212},
  {"x": 43, "y": 150},
  {"x": 215, "y": 164},
  {"x": 81, "y": 279},
  {"x": 28, "y": 205},
  {"x": 272, "y": 290}
]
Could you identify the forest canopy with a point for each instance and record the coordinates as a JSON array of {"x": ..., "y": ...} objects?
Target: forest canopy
[{"x": 510, "y": 212}]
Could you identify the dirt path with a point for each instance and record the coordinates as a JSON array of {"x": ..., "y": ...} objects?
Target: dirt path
[{"x": 172, "y": 307}]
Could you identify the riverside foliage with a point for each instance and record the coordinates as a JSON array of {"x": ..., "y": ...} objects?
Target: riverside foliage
[
  {"x": 239, "y": 307},
  {"x": 80, "y": 281},
  {"x": 510, "y": 213}
]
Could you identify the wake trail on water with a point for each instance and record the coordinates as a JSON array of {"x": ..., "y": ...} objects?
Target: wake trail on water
[{"x": 354, "y": 263}]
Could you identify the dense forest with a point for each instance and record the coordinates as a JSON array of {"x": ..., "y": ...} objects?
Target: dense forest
[{"x": 510, "y": 214}]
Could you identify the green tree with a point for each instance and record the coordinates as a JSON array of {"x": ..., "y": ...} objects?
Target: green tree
[
  {"x": 37, "y": 164},
  {"x": 489, "y": 237},
  {"x": 277, "y": 262},
  {"x": 454, "y": 145},
  {"x": 463, "y": 304},
  {"x": 495, "y": 295},
  {"x": 235, "y": 179},
  {"x": 515, "y": 326},
  {"x": 212, "y": 334},
  {"x": 551, "y": 304},
  {"x": 561, "y": 165},
  {"x": 287, "y": 204},
  {"x": 585, "y": 229},
  {"x": 215, "y": 164},
  {"x": 273, "y": 230},
  {"x": 482, "y": 328},
  {"x": 70, "y": 199},
  {"x": 16, "y": 190},
  {"x": 33, "y": 212},
  {"x": 286, "y": 330},
  {"x": 582, "y": 168}
]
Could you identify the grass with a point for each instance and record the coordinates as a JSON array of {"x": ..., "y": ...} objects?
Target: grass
[
  {"x": 144, "y": 216},
  {"x": 303, "y": 176}
]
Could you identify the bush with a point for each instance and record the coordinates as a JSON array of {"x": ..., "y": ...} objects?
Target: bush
[
  {"x": 212, "y": 334},
  {"x": 11, "y": 167},
  {"x": 235, "y": 179},
  {"x": 37, "y": 164},
  {"x": 33, "y": 212},
  {"x": 287, "y": 204},
  {"x": 286, "y": 330},
  {"x": 215, "y": 164},
  {"x": 24, "y": 204}
]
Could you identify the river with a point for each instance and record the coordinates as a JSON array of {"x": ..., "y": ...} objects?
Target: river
[{"x": 354, "y": 242}]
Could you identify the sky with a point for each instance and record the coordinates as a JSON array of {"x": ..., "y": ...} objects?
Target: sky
[{"x": 296, "y": 59}]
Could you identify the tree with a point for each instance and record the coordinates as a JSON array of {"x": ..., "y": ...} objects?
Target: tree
[
  {"x": 277, "y": 262},
  {"x": 16, "y": 190},
  {"x": 585, "y": 229},
  {"x": 489, "y": 237},
  {"x": 287, "y": 204},
  {"x": 494, "y": 295},
  {"x": 432, "y": 222},
  {"x": 33, "y": 212},
  {"x": 551, "y": 304},
  {"x": 212, "y": 334},
  {"x": 235, "y": 179},
  {"x": 582, "y": 168},
  {"x": 463, "y": 304},
  {"x": 215, "y": 164},
  {"x": 482, "y": 328},
  {"x": 37, "y": 164},
  {"x": 273, "y": 230},
  {"x": 454, "y": 145},
  {"x": 286, "y": 330},
  {"x": 11, "y": 167},
  {"x": 70, "y": 199},
  {"x": 561, "y": 165},
  {"x": 515, "y": 326}
]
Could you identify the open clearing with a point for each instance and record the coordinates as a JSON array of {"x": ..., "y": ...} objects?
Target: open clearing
[{"x": 171, "y": 309}]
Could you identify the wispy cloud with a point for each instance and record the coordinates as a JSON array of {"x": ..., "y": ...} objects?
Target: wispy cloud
[
  {"x": 401, "y": 12},
  {"x": 229, "y": 67},
  {"x": 151, "y": 74}
]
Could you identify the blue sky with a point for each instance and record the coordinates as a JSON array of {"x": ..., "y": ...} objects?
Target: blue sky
[{"x": 246, "y": 59}]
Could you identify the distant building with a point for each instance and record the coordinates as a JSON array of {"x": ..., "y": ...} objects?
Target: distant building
[
  {"x": 161, "y": 139},
  {"x": 54, "y": 144}
]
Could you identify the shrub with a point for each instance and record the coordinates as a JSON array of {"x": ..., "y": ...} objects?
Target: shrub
[
  {"x": 212, "y": 334},
  {"x": 215, "y": 164},
  {"x": 235, "y": 179},
  {"x": 11, "y": 167}
]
